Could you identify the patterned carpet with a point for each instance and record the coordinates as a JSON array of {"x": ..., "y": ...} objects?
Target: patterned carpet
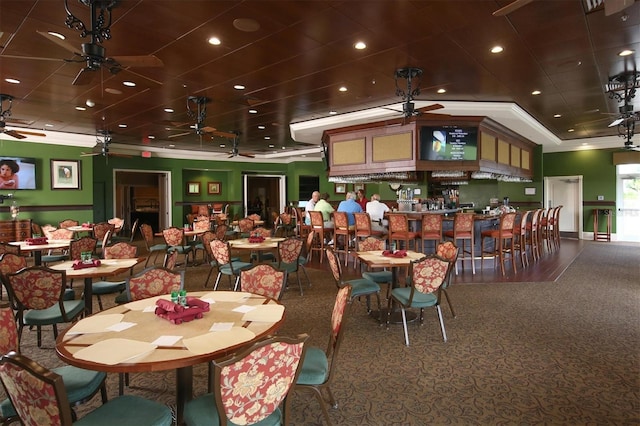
[{"x": 561, "y": 353}]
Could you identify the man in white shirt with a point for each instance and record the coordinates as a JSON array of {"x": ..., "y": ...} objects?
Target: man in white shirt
[
  {"x": 376, "y": 211},
  {"x": 311, "y": 204}
]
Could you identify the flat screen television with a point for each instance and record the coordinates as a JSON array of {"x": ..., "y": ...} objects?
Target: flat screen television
[
  {"x": 448, "y": 143},
  {"x": 17, "y": 173}
]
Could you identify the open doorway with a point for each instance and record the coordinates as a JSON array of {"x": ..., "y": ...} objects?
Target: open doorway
[
  {"x": 566, "y": 191},
  {"x": 143, "y": 195},
  {"x": 628, "y": 202},
  {"x": 264, "y": 195}
]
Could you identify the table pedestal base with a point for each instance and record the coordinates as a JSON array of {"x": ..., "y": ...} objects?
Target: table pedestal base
[{"x": 396, "y": 316}]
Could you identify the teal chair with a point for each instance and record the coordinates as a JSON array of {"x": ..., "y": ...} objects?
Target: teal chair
[
  {"x": 289, "y": 252},
  {"x": 318, "y": 364},
  {"x": 31, "y": 386},
  {"x": 152, "y": 249},
  {"x": 225, "y": 264},
  {"x": 378, "y": 276}
]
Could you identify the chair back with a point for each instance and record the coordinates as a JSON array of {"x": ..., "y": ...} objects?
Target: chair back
[
  {"x": 221, "y": 232},
  {"x": 11, "y": 263},
  {"x": 170, "y": 259},
  {"x": 201, "y": 224},
  {"x": 8, "y": 248},
  {"x": 154, "y": 281},
  {"x": 8, "y": 329},
  {"x": 262, "y": 232},
  {"x": 36, "y": 229},
  {"x": 147, "y": 235},
  {"x": 116, "y": 222},
  {"x": 334, "y": 265},
  {"x": 371, "y": 244},
  {"x": 428, "y": 274},
  {"x": 101, "y": 229},
  {"x": 398, "y": 222},
  {"x": 173, "y": 236},
  {"x": 448, "y": 251},
  {"x": 67, "y": 223},
  {"x": 37, "y": 287},
  {"x": 507, "y": 222},
  {"x": 221, "y": 252},
  {"x": 289, "y": 251},
  {"x": 463, "y": 224},
  {"x": 524, "y": 220},
  {"x": 203, "y": 211},
  {"x": 263, "y": 279},
  {"x": 37, "y": 394},
  {"x": 308, "y": 243},
  {"x": 121, "y": 250},
  {"x": 245, "y": 225},
  {"x": 217, "y": 208},
  {"x": 341, "y": 221},
  {"x": 206, "y": 239},
  {"x": 337, "y": 323},
  {"x": 81, "y": 245},
  {"x": 59, "y": 234},
  {"x": 432, "y": 226},
  {"x": 134, "y": 229},
  {"x": 363, "y": 224},
  {"x": 317, "y": 220},
  {"x": 271, "y": 367}
]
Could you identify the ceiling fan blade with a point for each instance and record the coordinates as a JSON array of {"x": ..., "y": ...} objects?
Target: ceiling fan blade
[
  {"x": 431, "y": 107},
  {"x": 246, "y": 155},
  {"x": 25, "y": 132},
  {"x": 65, "y": 45},
  {"x": 224, "y": 134},
  {"x": 14, "y": 134},
  {"x": 511, "y": 7},
  {"x": 177, "y": 135},
  {"x": 89, "y": 154},
  {"x": 208, "y": 129},
  {"x": 139, "y": 61},
  {"x": 84, "y": 77},
  {"x": 32, "y": 58}
]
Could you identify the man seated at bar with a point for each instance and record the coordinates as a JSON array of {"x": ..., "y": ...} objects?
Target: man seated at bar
[
  {"x": 376, "y": 211},
  {"x": 326, "y": 209},
  {"x": 350, "y": 206},
  {"x": 311, "y": 204}
]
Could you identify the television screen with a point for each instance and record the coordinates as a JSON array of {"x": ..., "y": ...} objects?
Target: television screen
[
  {"x": 17, "y": 173},
  {"x": 449, "y": 143}
]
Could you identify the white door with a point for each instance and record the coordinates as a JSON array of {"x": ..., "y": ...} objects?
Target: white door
[
  {"x": 566, "y": 191},
  {"x": 628, "y": 203}
]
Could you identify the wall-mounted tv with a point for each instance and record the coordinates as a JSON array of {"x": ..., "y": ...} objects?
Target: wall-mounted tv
[
  {"x": 17, "y": 173},
  {"x": 448, "y": 143}
]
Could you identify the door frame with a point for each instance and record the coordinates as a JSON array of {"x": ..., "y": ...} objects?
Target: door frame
[
  {"x": 164, "y": 191},
  {"x": 282, "y": 189},
  {"x": 548, "y": 186}
]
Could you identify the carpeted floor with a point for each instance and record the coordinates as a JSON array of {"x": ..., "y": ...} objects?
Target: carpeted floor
[{"x": 564, "y": 352}]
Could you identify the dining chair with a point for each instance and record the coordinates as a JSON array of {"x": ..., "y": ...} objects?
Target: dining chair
[
  {"x": 305, "y": 256},
  {"x": 430, "y": 230},
  {"x": 399, "y": 231},
  {"x": 556, "y": 227},
  {"x": 258, "y": 255},
  {"x": 8, "y": 248},
  {"x": 174, "y": 238},
  {"x": 359, "y": 286},
  {"x": 427, "y": 275},
  {"x": 225, "y": 265},
  {"x": 33, "y": 389},
  {"x": 154, "y": 281},
  {"x": 147, "y": 235},
  {"x": 203, "y": 245},
  {"x": 264, "y": 279},
  {"x": 252, "y": 386},
  {"x": 289, "y": 252},
  {"x": 57, "y": 255},
  {"x": 377, "y": 276},
  {"x": 119, "y": 237},
  {"x": 318, "y": 365},
  {"x": 302, "y": 229},
  {"x": 503, "y": 241},
  {"x": 520, "y": 240},
  {"x": 463, "y": 230},
  {"x": 284, "y": 225},
  {"x": 245, "y": 225},
  {"x": 68, "y": 223},
  {"x": 170, "y": 260},
  {"x": 80, "y": 384},
  {"x": 533, "y": 228},
  {"x": 364, "y": 228},
  {"x": 82, "y": 245},
  {"x": 38, "y": 294},
  {"x": 449, "y": 252},
  {"x": 117, "y": 251},
  {"x": 100, "y": 231},
  {"x": 10, "y": 263},
  {"x": 342, "y": 229},
  {"x": 317, "y": 226}
]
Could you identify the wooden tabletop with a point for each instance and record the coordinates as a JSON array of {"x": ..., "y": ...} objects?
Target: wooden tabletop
[
  {"x": 268, "y": 243},
  {"x": 51, "y": 244},
  {"x": 376, "y": 259}
]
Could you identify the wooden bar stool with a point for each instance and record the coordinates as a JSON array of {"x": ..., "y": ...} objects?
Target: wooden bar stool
[
  {"x": 399, "y": 231},
  {"x": 503, "y": 240},
  {"x": 431, "y": 230},
  {"x": 463, "y": 230}
]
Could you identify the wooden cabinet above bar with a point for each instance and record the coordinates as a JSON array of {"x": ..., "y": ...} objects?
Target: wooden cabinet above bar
[{"x": 427, "y": 143}]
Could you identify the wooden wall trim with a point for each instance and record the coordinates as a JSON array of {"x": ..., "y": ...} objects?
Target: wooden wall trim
[{"x": 49, "y": 208}]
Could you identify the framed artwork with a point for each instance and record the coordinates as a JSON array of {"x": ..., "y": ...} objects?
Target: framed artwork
[
  {"x": 214, "y": 187},
  {"x": 340, "y": 188},
  {"x": 530, "y": 191},
  {"x": 65, "y": 174},
  {"x": 193, "y": 188},
  {"x": 358, "y": 186}
]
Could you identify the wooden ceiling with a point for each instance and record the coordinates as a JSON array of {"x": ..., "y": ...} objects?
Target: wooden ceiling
[{"x": 293, "y": 56}]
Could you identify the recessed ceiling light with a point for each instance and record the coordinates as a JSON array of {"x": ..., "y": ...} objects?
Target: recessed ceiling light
[
  {"x": 168, "y": 110},
  {"x": 497, "y": 49},
  {"x": 571, "y": 130},
  {"x": 253, "y": 111},
  {"x": 284, "y": 147},
  {"x": 55, "y": 34},
  {"x": 151, "y": 137},
  {"x": 626, "y": 52},
  {"x": 12, "y": 80},
  {"x": 557, "y": 115},
  {"x": 261, "y": 127},
  {"x": 271, "y": 145},
  {"x": 90, "y": 103},
  {"x": 246, "y": 24},
  {"x": 222, "y": 145},
  {"x": 360, "y": 45},
  {"x": 129, "y": 83},
  {"x": 442, "y": 91},
  {"x": 122, "y": 125},
  {"x": 81, "y": 108},
  {"x": 239, "y": 87},
  {"x": 267, "y": 137},
  {"x": 342, "y": 89},
  {"x": 172, "y": 146},
  {"x": 536, "y": 92},
  {"x": 214, "y": 40},
  {"x": 333, "y": 112},
  {"x": 48, "y": 125}
]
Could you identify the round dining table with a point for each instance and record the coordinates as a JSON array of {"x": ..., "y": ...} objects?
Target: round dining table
[{"x": 131, "y": 338}]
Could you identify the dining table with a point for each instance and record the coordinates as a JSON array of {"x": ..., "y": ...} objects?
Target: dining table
[
  {"x": 268, "y": 244},
  {"x": 132, "y": 338},
  {"x": 37, "y": 249},
  {"x": 393, "y": 261},
  {"x": 107, "y": 268}
]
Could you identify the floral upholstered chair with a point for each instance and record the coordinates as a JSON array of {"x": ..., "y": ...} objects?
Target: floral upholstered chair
[
  {"x": 318, "y": 364},
  {"x": 10, "y": 263},
  {"x": 399, "y": 230},
  {"x": 271, "y": 367},
  {"x": 68, "y": 223},
  {"x": 448, "y": 251},
  {"x": 39, "y": 397},
  {"x": 8, "y": 248},
  {"x": 431, "y": 229},
  {"x": 154, "y": 281},
  {"x": 116, "y": 251},
  {"x": 82, "y": 245},
  {"x": 225, "y": 264},
  {"x": 289, "y": 252},
  {"x": 265, "y": 280},
  {"x": 147, "y": 234},
  {"x": 427, "y": 275},
  {"x": 174, "y": 237},
  {"x": 380, "y": 276},
  {"x": 245, "y": 225},
  {"x": 100, "y": 230}
]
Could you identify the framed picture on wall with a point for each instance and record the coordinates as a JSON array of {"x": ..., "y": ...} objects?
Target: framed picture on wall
[
  {"x": 358, "y": 186},
  {"x": 340, "y": 188},
  {"x": 65, "y": 174},
  {"x": 193, "y": 188},
  {"x": 214, "y": 187}
]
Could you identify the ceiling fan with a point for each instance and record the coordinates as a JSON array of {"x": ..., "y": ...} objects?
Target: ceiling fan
[
  {"x": 235, "y": 136},
  {"x": 93, "y": 54},
  {"x": 4, "y": 117},
  {"x": 610, "y": 6},
  {"x": 196, "y": 109},
  {"x": 103, "y": 140},
  {"x": 412, "y": 77}
]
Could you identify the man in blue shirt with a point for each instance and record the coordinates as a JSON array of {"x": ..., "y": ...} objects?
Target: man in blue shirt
[{"x": 350, "y": 206}]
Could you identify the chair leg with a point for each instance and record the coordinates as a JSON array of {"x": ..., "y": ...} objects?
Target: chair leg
[
  {"x": 453, "y": 313},
  {"x": 215, "y": 286},
  {"x": 404, "y": 326},
  {"x": 444, "y": 333},
  {"x": 39, "y": 336},
  {"x": 208, "y": 276}
]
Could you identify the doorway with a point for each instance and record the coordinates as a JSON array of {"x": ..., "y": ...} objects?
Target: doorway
[
  {"x": 628, "y": 202},
  {"x": 143, "y": 195},
  {"x": 264, "y": 195},
  {"x": 566, "y": 191}
]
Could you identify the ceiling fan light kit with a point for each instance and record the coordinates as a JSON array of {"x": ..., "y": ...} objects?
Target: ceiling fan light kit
[{"x": 622, "y": 87}]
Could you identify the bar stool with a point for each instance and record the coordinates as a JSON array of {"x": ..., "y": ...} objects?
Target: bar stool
[
  {"x": 463, "y": 230},
  {"x": 431, "y": 230},
  {"x": 399, "y": 230},
  {"x": 341, "y": 228},
  {"x": 520, "y": 240},
  {"x": 503, "y": 239},
  {"x": 317, "y": 225},
  {"x": 532, "y": 234}
]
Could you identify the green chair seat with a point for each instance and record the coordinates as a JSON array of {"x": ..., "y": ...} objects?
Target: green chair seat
[
  {"x": 237, "y": 266},
  {"x": 420, "y": 300},
  {"x": 53, "y": 315},
  {"x": 362, "y": 287},
  {"x": 202, "y": 411},
  {"x": 379, "y": 277},
  {"x": 315, "y": 367},
  {"x": 122, "y": 298},
  {"x": 128, "y": 410},
  {"x": 108, "y": 287}
]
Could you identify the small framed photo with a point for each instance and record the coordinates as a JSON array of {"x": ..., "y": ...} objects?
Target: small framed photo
[
  {"x": 65, "y": 174},
  {"x": 340, "y": 188},
  {"x": 530, "y": 191},
  {"x": 214, "y": 187},
  {"x": 358, "y": 186},
  {"x": 193, "y": 188}
]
